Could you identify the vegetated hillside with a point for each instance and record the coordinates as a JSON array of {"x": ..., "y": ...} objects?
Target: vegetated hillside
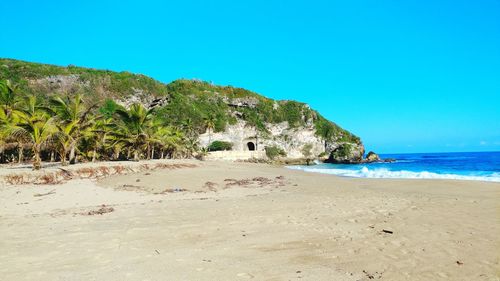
[{"x": 180, "y": 101}]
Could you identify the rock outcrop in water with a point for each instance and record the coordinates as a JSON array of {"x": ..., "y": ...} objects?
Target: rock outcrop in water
[
  {"x": 372, "y": 157},
  {"x": 347, "y": 153}
]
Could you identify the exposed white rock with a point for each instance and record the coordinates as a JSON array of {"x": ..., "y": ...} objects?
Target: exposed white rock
[
  {"x": 60, "y": 83},
  {"x": 292, "y": 140}
]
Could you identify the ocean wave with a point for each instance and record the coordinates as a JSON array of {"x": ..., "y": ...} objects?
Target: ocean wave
[
  {"x": 430, "y": 157},
  {"x": 402, "y": 161},
  {"x": 364, "y": 172}
]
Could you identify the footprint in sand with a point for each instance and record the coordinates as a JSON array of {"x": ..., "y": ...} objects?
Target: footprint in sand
[
  {"x": 245, "y": 275},
  {"x": 442, "y": 274}
]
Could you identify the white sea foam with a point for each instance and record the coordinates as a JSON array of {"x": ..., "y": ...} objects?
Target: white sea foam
[
  {"x": 364, "y": 172},
  {"x": 404, "y": 161}
]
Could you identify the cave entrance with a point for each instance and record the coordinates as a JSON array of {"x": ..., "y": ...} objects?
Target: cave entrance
[{"x": 251, "y": 146}]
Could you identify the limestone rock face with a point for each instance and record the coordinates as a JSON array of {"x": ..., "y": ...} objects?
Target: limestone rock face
[
  {"x": 347, "y": 153},
  {"x": 291, "y": 140},
  {"x": 372, "y": 157},
  {"x": 59, "y": 84},
  {"x": 241, "y": 102}
]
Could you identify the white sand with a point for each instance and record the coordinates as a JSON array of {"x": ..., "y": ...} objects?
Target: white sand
[{"x": 304, "y": 226}]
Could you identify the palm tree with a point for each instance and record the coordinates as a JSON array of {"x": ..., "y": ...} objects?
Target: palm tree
[
  {"x": 10, "y": 103},
  {"x": 154, "y": 130},
  {"x": 209, "y": 123},
  {"x": 36, "y": 127},
  {"x": 96, "y": 136},
  {"x": 190, "y": 146},
  {"x": 63, "y": 144},
  {"x": 132, "y": 126},
  {"x": 72, "y": 114},
  {"x": 160, "y": 138},
  {"x": 9, "y": 98},
  {"x": 188, "y": 127}
]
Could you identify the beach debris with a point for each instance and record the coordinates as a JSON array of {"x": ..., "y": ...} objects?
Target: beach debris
[
  {"x": 262, "y": 180},
  {"x": 119, "y": 169},
  {"x": 370, "y": 276},
  {"x": 130, "y": 185},
  {"x": 137, "y": 180},
  {"x": 15, "y": 179},
  {"x": 87, "y": 173},
  {"x": 210, "y": 186},
  {"x": 103, "y": 170},
  {"x": 256, "y": 182},
  {"x": 158, "y": 252},
  {"x": 171, "y": 190},
  {"x": 377, "y": 274},
  {"x": 63, "y": 175},
  {"x": 387, "y": 231},
  {"x": 102, "y": 210},
  {"x": 66, "y": 172},
  {"x": 48, "y": 179},
  {"x": 53, "y": 191},
  {"x": 459, "y": 263}
]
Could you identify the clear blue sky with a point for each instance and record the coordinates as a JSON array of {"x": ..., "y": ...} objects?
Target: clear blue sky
[{"x": 406, "y": 76}]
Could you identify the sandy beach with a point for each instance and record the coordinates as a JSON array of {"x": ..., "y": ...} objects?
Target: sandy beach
[{"x": 239, "y": 221}]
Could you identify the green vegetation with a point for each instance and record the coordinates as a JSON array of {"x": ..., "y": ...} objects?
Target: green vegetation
[
  {"x": 273, "y": 152},
  {"x": 98, "y": 83},
  {"x": 323, "y": 154},
  {"x": 187, "y": 99},
  {"x": 220, "y": 146},
  {"x": 76, "y": 128},
  {"x": 84, "y": 107},
  {"x": 343, "y": 151}
]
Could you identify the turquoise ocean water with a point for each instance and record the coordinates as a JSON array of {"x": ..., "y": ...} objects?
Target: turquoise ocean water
[{"x": 481, "y": 166}]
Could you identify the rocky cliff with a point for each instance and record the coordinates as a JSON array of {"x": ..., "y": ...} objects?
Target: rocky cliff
[{"x": 207, "y": 112}]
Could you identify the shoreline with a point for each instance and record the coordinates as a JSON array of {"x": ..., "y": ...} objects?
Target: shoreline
[
  {"x": 135, "y": 167},
  {"x": 241, "y": 221},
  {"x": 400, "y": 170}
]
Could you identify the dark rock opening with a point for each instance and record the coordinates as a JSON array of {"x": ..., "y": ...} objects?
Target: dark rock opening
[{"x": 251, "y": 146}]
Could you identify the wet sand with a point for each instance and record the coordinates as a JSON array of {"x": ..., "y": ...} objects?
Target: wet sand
[{"x": 240, "y": 221}]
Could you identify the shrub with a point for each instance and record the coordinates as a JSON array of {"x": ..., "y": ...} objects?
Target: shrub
[
  {"x": 273, "y": 151},
  {"x": 323, "y": 154},
  {"x": 307, "y": 152},
  {"x": 220, "y": 145},
  {"x": 343, "y": 151}
]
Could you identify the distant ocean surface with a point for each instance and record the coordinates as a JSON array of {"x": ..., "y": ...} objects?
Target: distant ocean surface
[{"x": 479, "y": 166}]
